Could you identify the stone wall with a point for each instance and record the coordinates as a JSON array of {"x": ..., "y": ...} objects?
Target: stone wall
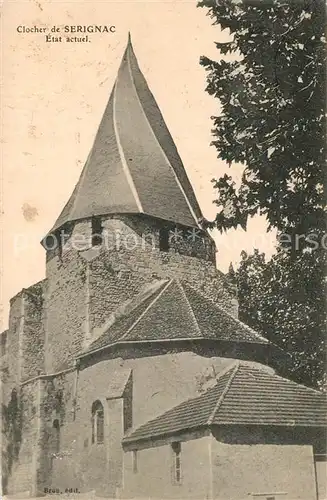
[
  {"x": 156, "y": 383},
  {"x": 249, "y": 461},
  {"x": 154, "y": 476},
  {"x": 65, "y": 315},
  {"x": 3, "y": 343},
  {"x": 30, "y": 405},
  {"x": 41, "y": 401},
  {"x": 57, "y": 405},
  {"x": 246, "y": 466},
  {"x": 22, "y": 437},
  {"x": 14, "y": 351},
  {"x": 23, "y": 359},
  {"x": 159, "y": 381},
  {"x": 321, "y": 474},
  {"x": 33, "y": 335},
  {"x": 53, "y": 320},
  {"x": 87, "y": 284},
  {"x": 25, "y": 336},
  {"x": 135, "y": 250},
  {"x": 80, "y": 463}
]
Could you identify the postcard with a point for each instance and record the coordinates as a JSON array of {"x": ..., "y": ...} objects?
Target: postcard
[{"x": 163, "y": 250}]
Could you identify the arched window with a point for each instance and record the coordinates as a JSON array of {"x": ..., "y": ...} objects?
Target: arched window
[{"x": 97, "y": 423}]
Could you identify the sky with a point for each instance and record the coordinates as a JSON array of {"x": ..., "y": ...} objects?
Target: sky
[{"x": 53, "y": 97}]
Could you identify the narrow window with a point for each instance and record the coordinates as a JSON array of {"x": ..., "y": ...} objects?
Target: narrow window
[
  {"x": 135, "y": 469},
  {"x": 96, "y": 231},
  {"x": 164, "y": 239},
  {"x": 128, "y": 405},
  {"x": 56, "y": 436},
  {"x": 177, "y": 472},
  {"x": 97, "y": 423},
  {"x": 58, "y": 239},
  {"x": 3, "y": 343}
]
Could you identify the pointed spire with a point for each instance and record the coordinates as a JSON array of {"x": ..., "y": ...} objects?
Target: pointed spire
[{"x": 134, "y": 165}]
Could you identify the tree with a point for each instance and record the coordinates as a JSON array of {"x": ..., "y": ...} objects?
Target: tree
[
  {"x": 280, "y": 299},
  {"x": 272, "y": 125},
  {"x": 273, "y": 109}
]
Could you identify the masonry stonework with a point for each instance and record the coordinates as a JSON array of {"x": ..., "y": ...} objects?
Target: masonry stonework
[
  {"x": 66, "y": 292},
  {"x": 153, "y": 477},
  {"x": 102, "y": 278},
  {"x": 223, "y": 470},
  {"x": 252, "y": 465}
]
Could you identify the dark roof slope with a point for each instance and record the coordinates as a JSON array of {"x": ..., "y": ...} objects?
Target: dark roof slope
[
  {"x": 190, "y": 414},
  {"x": 243, "y": 395},
  {"x": 257, "y": 397},
  {"x": 214, "y": 321},
  {"x": 175, "y": 311},
  {"x": 133, "y": 166}
]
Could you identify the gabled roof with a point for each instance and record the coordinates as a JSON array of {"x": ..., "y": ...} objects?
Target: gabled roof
[
  {"x": 173, "y": 310},
  {"x": 133, "y": 166},
  {"x": 243, "y": 395}
]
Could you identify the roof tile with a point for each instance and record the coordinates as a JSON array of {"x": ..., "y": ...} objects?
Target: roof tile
[
  {"x": 243, "y": 395},
  {"x": 133, "y": 166},
  {"x": 175, "y": 311}
]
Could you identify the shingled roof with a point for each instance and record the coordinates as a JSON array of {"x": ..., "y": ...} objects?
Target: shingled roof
[
  {"x": 133, "y": 166},
  {"x": 243, "y": 395},
  {"x": 173, "y": 310}
]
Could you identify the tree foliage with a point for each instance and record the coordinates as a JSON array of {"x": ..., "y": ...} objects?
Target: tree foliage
[
  {"x": 277, "y": 299},
  {"x": 272, "y": 118},
  {"x": 272, "y": 125}
]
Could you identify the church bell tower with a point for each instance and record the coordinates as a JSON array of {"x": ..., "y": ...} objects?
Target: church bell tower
[{"x": 132, "y": 218}]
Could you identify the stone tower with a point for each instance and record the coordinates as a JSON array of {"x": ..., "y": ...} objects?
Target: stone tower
[
  {"x": 131, "y": 324},
  {"x": 133, "y": 217}
]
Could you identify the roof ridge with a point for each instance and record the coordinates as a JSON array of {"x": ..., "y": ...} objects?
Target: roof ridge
[
  {"x": 127, "y": 307},
  {"x": 223, "y": 394},
  {"x": 316, "y": 391},
  {"x": 229, "y": 367},
  {"x": 158, "y": 143},
  {"x": 179, "y": 284},
  {"x": 114, "y": 177},
  {"x": 192, "y": 412},
  {"x": 226, "y": 312},
  {"x": 78, "y": 185},
  {"x": 126, "y": 170},
  {"x": 164, "y": 413},
  {"x": 156, "y": 298}
]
